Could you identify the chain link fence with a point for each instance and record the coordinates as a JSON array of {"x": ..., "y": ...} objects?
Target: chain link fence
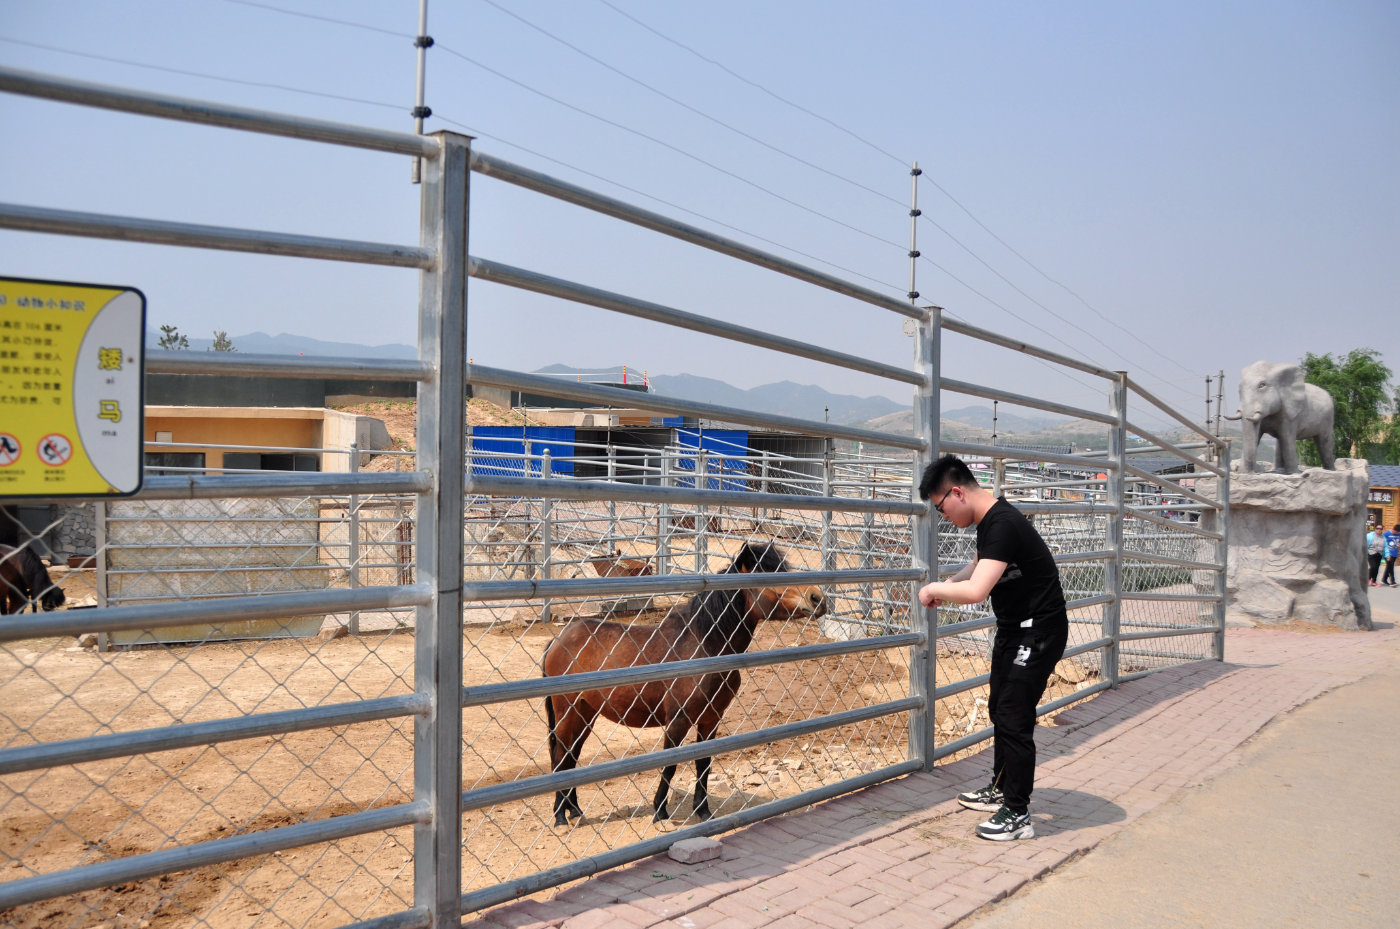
[{"x": 319, "y": 699}]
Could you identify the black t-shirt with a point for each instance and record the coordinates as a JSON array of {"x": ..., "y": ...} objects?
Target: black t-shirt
[{"x": 1029, "y": 588}]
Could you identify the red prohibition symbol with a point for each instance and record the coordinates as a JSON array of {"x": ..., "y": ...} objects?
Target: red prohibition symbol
[
  {"x": 9, "y": 449},
  {"x": 55, "y": 449}
]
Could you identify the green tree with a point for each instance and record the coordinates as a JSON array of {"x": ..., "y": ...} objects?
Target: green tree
[
  {"x": 1361, "y": 390},
  {"x": 172, "y": 339},
  {"x": 222, "y": 343}
]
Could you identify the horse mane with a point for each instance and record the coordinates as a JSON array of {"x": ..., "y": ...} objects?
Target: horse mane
[{"x": 721, "y": 616}]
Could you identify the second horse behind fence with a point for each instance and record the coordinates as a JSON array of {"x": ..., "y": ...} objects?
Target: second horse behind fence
[
  {"x": 25, "y": 581},
  {"x": 712, "y": 623}
]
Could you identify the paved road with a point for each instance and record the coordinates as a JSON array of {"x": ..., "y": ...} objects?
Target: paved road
[
  {"x": 1253, "y": 792},
  {"x": 1300, "y": 834}
]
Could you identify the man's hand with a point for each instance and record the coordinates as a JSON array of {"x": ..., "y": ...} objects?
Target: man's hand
[{"x": 927, "y": 598}]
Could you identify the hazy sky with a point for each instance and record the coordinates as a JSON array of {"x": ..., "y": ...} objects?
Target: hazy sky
[{"x": 1171, "y": 188}]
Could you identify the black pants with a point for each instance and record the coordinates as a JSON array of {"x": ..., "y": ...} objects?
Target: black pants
[
  {"x": 1389, "y": 577},
  {"x": 1022, "y": 660},
  {"x": 1375, "y": 559}
]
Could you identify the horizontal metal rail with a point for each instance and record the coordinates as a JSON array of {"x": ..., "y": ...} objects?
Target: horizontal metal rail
[
  {"x": 1147, "y": 395},
  {"x": 535, "y": 688},
  {"x": 635, "y": 764},
  {"x": 982, "y": 735},
  {"x": 188, "y": 735},
  {"x": 986, "y": 335},
  {"x": 222, "y": 364},
  {"x": 185, "y": 612},
  {"x": 567, "y": 489},
  {"x": 1130, "y": 555},
  {"x": 490, "y": 166},
  {"x": 1071, "y": 508},
  {"x": 480, "y": 376},
  {"x": 967, "y": 625},
  {"x": 988, "y": 393},
  {"x": 182, "y": 109},
  {"x": 1168, "y": 598},
  {"x": 1172, "y": 524},
  {"x": 982, "y": 680},
  {"x": 283, "y": 484},
  {"x": 534, "y": 282},
  {"x": 223, "y": 238},
  {"x": 1105, "y": 554},
  {"x": 1167, "y": 633},
  {"x": 593, "y": 864},
  {"x": 1171, "y": 487},
  {"x": 1199, "y": 463},
  {"x": 1085, "y": 602},
  {"x": 969, "y": 449},
  {"x": 204, "y": 854},
  {"x": 1081, "y": 694},
  {"x": 485, "y": 591},
  {"x": 417, "y": 918}
]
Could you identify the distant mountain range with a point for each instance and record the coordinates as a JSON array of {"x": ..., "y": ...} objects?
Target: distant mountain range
[
  {"x": 260, "y": 343},
  {"x": 783, "y": 398}
]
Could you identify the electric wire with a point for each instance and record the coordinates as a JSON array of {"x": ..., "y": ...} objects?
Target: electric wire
[
  {"x": 1036, "y": 268},
  {"x": 203, "y": 75},
  {"x": 927, "y": 179},
  {"x": 325, "y": 19},
  {"x": 267, "y": 85},
  {"x": 693, "y": 109},
  {"x": 673, "y": 148},
  {"x": 671, "y": 204},
  {"x": 363, "y": 26},
  {"x": 756, "y": 86}
]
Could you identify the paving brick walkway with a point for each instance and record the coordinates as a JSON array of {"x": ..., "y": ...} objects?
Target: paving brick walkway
[{"x": 903, "y": 853}]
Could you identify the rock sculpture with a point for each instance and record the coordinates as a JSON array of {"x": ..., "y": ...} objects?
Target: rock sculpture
[{"x": 1275, "y": 400}]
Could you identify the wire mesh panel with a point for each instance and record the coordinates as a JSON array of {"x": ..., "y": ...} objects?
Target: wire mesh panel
[
  {"x": 505, "y": 641},
  {"x": 56, "y": 689},
  {"x": 292, "y": 684}
]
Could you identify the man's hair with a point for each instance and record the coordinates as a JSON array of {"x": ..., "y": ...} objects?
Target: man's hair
[{"x": 949, "y": 470}]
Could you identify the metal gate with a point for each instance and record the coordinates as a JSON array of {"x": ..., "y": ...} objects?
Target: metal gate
[{"x": 400, "y": 776}]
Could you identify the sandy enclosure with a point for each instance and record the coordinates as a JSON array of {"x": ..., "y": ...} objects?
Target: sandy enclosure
[{"x": 54, "y": 689}]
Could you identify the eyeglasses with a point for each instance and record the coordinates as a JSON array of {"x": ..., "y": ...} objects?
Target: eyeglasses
[{"x": 939, "y": 505}]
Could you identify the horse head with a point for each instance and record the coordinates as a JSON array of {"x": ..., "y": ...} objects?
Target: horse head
[
  {"x": 775, "y": 603},
  {"x": 52, "y": 598}
]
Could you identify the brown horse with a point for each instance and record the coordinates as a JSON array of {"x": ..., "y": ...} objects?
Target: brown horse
[
  {"x": 24, "y": 581},
  {"x": 714, "y": 622}
]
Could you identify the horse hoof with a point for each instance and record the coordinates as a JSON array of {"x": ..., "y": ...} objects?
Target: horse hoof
[{"x": 661, "y": 816}]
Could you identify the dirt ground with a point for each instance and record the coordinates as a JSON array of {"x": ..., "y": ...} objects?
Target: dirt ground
[
  {"x": 400, "y": 421},
  {"x": 56, "y": 689}
]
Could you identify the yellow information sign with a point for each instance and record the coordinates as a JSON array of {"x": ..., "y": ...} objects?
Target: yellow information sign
[{"x": 72, "y": 361}]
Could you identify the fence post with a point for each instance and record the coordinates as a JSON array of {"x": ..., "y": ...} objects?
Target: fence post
[
  {"x": 1221, "y": 577},
  {"x": 763, "y": 484},
  {"x": 923, "y": 670},
  {"x": 442, "y": 342},
  {"x": 546, "y": 532},
  {"x": 353, "y": 542},
  {"x": 828, "y": 479},
  {"x": 610, "y": 543},
  {"x": 1117, "y": 489},
  {"x": 663, "y": 519},
  {"x": 867, "y": 538},
  {"x": 99, "y": 512},
  {"x": 702, "y": 512}
]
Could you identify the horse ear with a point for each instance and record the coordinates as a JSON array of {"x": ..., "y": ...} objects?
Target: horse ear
[{"x": 746, "y": 560}]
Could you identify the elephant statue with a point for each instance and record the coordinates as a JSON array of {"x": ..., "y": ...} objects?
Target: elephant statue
[{"x": 1276, "y": 401}]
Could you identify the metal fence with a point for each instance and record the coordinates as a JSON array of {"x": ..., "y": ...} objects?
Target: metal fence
[{"x": 400, "y": 775}]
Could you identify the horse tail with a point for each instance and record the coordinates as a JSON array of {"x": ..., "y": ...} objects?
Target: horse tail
[{"x": 549, "y": 718}]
